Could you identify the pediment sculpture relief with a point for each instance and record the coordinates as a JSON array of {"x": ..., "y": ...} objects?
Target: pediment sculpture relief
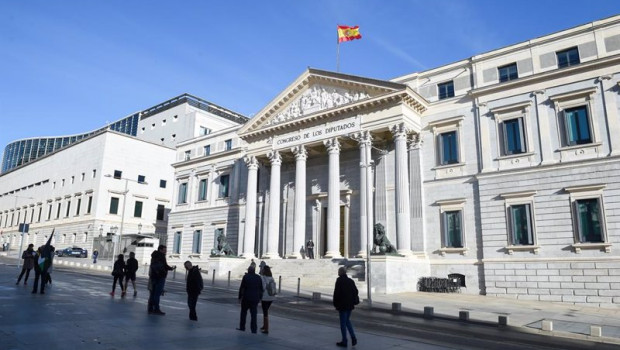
[{"x": 317, "y": 98}]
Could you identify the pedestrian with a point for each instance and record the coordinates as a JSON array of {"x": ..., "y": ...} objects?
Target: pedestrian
[
  {"x": 270, "y": 291},
  {"x": 157, "y": 276},
  {"x": 28, "y": 255},
  {"x": 193, "y": 288},
  {"x": 302, "y": 251},
  {"x": 95, "y": 255},
  {"x": 345, "y": 298},
  {"x": 310, "y": 249},
  {"x": 48, "y": 274},
  {"x": 118, "y": 271},
  {"x": 250, "y": 293},
  {"x": 130, "y": 273},
  {"x": 261, "y": 266}
]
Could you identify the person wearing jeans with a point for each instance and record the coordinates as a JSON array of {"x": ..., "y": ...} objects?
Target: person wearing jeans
[{"x": 345, "y": 298}]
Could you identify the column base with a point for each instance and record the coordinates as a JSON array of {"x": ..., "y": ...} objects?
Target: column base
[
  {"x": 271, "y": 256},
  {"x": 294, "y": 256},
  {"x": 248, "y": 256},
  {"x": 333, "y": 255},
  {"x": 405, "y": 252},
  {"x": 361, "y": 254}
]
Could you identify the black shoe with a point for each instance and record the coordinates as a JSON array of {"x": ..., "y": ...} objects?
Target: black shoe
[
  {"x": 158, "y": 312},
  {"x": 341, "y": 344},
  {"x": 240, "y": 329},
  {"x": 264, "y": 331},
  {"x": 353, "y": 341}
]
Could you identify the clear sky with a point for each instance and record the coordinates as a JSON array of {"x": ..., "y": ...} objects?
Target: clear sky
[{"x": 68, "y": 67}]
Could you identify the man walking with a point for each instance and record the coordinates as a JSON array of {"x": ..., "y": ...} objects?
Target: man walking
[
  {"x": 130, "y": 273},
  {"x": 157, "y": 274},
  {"x": 193, "y": 287},
  {"x": 250, "y": 293},
  {"x": 345, "y": 297},
  {"x": 28, "y": 255}
]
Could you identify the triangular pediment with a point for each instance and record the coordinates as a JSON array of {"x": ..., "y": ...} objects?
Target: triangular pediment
[{"x": 315, "y": 92}]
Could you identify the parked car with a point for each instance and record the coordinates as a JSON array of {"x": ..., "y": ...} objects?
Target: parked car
[{"x": 73, "y": 251}]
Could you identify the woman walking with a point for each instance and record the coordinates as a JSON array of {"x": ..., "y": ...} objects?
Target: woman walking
[
  {"x": 269, "y": 286},
  {"x": 118, "y": 272}
]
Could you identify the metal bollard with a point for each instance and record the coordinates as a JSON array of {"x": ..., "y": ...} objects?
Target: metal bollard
[
  {"x": 298, "y": 285},
  {"x": 502, "y": 320},
  {"x": 547, "y": 325},
  {"x": 213, "y": 278},
  {"x": 174, "y": 272},
  {"x": 464, "y": 315},
  {"x": 279, "y": 284},
  {"x": 429, "y": 312},
  {"x": 228, "y": 279},
  {"x": 397, "y": 307}
]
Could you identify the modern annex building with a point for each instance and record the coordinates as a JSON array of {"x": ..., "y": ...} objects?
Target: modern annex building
[
  {"x": 103, "y": 184},
  {"x": 501, "y": 167}
]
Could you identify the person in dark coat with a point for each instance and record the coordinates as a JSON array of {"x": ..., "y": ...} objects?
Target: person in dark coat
[
  {"x": 130, "y": 273},
  {"x": 250, "y": 293},
  {"x": 28, "y": 256},
  {"x": 193, "y": 288},
  {"x": 118, "y": 271},
  {"x": 157, "y": 275},
  {"x": 345, "y": 298}
]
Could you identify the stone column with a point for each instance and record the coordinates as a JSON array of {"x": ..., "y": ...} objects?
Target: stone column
[
  {"x": 273, "y": 232},
  {"x": 418, "y": 239},
  {"x": 333, "y": 199},
  {"x": 299, "y": 220},
  {"x": 403, "y": 220},
  {"x": 250, "y": 208},
  {"x": 365, "y": 142}
]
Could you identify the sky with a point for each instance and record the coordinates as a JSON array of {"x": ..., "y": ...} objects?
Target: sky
[{"x": 69, "y": 67}]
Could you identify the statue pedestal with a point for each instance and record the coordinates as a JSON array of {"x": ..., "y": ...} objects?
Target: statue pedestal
[
  {"x": 397, "y": 274},
  {"x": 223, "y": 264}
]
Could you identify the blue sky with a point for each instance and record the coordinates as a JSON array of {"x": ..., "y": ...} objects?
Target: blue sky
[{"x": 69, "y": 67}]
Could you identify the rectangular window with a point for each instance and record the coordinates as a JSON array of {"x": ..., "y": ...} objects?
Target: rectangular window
[
  {"x": 508, "y": 72},
  {"x": 202, "y": 190},
  {"x": 160, "y": 211},
  {"x": 227, "y": 145},
  {"x": 141, "y": 179},
  {"x": 204, "y": 131},
  {"x": 79, "y": 204},
  {"x": 514, "y": 138},
  {"x": 32, "y": 216},
  {"x": 68, "y": 208},
  {"x": 113, "y": 205},
  {"x": 589, "y": 218},
  {"x": 182, "y": 193},
  {"x": 58, "y": 210},
  {"x": 82, "y": 177},
  {"x": 453, "y": 233},
  {"x": 118, "y": 174},
  {"x": 176, "y": 245},
  {"x": 446, "y": 90},
  {"x": 207, "y": 150},
  {"x": 39, "y": 215},
  {"x": 223, "y": 193},
  {"x": 187, "y": 155},
  {"x": 90, "y": 204},
  {"x": 577, "y": 126},
  {"x": 520, "y": 221},
  {"x": 197, "y": 243},
  {"x": 162, "y": 183},
  {"x": 137, "y": 210},
  {"x": 568, "y": 57},
  {"x": 49, "y": 212},
  {"x": 448, "y": 148},
  {"x": 94, "y": 173}
]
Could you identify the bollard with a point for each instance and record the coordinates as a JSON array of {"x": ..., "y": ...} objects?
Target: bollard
[
  {"x": 228, "y": 279},
  {"x": 547, "y": 325},
  {"x": 279, "y": 284},
  {"x": 596, "y": 331},
  {"x": 429, "y": 312},
  {"x": 397, "y": 307},
  {"x": 316, "y": 296},
  {"x": 298, "y": 285},
  {"x": 502, "y": 320},
  {"x": 213, "y": 278},
  {"x": 464, "y": 315}
]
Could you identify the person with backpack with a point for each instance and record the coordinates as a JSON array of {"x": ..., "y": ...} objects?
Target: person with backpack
[
  {"x": 345, "y": 298},
  {"x": 28, "y": 255},
  {"x": 157, "y": 277},
  {"x": 269, "y": 285},
  {"x": 193, "y": 288},
  {"x": 130, "y": 273},
  {"x": 118, "y": 271}
]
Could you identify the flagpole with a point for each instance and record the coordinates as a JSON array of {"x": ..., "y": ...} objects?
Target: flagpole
[{"x": 338, "y": 58}]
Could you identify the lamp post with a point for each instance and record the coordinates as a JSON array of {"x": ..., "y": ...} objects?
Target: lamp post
[
  {"x": 120, "y": 233},
  {"x": 113, "y": 230}
]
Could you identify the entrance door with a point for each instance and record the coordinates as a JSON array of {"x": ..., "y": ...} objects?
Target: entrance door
[{"x": 342, "y": 229}]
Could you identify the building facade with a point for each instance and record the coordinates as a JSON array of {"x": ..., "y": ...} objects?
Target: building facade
[{"x": 500, "y": 168}]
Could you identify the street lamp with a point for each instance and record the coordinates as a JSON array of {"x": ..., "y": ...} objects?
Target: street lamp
[{"x": 120, "y": 234}]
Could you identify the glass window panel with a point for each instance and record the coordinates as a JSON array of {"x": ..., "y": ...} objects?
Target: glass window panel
[
  {"x": 202, "y": 190},
  {"x": 137, "y": 210},
  {"x": 508, "y": 72},
  {"x": 183, "y": 193},
  {"x": 176, "y": 245},
  {"x": 223, "y": 186},
  {"x": 448, "y": 148},
  {"x": 514, "y": 139},
  {"x": 452, "y": 229},
  {"x": 446, "y": 90},
  {"x": 113, "y": 205},
  {"x": 160, "y": 211},
  {"x": 521, "y": 225},
  {"x": 197, "y": 243},
  {"x": 589, "y": 220},
  {"x": 577, "y": 126}
]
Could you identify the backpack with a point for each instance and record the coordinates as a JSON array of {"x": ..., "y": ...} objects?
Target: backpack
[{"x": 271, "y": 288}]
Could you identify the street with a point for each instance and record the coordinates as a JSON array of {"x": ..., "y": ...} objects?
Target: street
[{"x": 77, "y": 312}]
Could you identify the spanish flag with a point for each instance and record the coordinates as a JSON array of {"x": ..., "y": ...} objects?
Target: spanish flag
[{"x": 346, "y": 33}]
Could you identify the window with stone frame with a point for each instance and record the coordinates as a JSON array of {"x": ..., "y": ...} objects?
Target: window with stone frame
[
  {"x": 513, "y": 129},
  {"x": 182, "y": 198},
  {"x": 452, "y": 213},
  {"x": 197, "y": 242},
  {"x": 448, "y": 136},
  {"x": 202, "y": 189},
  {"x": 508, "y": 72},
  {"x": 224, "y": 186},
  {"x": 520, "y": 221},
  {"x": 589, "y": 220},
  {"x": 176, "y": 243},
  {"x": 568, "y": 57},
  {"x": 445, "y": 90},
  {"x": 576, "y": 122}
]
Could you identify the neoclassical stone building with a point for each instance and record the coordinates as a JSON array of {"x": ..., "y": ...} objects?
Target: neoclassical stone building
[{"x": 501, "y": 167}]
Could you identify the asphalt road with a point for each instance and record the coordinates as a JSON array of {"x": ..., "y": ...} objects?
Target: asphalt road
[{"x": 77, "y": 313}]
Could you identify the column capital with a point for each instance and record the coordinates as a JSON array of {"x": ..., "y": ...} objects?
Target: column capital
[
  {"x": 399, "y": 131},
  {"x": 251, "y": 162},
  {"x": 416, "y": 142},
  {"x": 300, "y": 152},
  {"x": 275, "y": 158},
  {"x": 333, "y": 146},
  {"x": 363, "y": 137}
]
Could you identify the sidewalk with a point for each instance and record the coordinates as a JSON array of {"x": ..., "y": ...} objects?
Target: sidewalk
[{"x": 569, "y": 321}]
